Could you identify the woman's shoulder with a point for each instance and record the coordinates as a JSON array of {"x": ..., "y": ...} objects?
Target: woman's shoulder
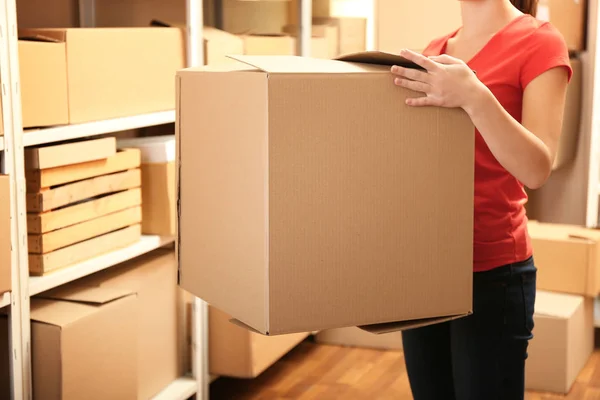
[{"x": 532, "y": 32}]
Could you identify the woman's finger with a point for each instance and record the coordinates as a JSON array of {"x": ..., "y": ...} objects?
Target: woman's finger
[
  {"x": 420, "y": 101},
  {"x": 412, "y": 85},
  {"x": 419, "y": 59},
  {"x": 411, "y": 73},
  {"x": 445, "y": 59}
]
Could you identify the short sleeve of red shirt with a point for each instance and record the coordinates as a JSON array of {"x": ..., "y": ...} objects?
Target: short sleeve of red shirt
[{"x": 547, "y": 50}]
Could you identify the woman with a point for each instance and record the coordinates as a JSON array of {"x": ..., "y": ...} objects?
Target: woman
[{"x": 509, "y": 72}]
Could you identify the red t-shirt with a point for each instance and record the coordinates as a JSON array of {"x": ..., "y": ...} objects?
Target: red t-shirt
[{"x": 513, "y": 57}]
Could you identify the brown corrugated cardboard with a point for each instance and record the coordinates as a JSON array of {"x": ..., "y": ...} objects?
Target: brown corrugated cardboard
[
  {"x": 154, "y": 278},
  {"x": 412, "y": 25},
  {"x": 356, "y": 337},
  {"x": 60, "y": 155},
  {"x": 43, "y": 73},
  {"x": 567, "y": 258},
  {"x": 240, "y": 353},
  {"x": 305, "y": 205},
  {"x": 84, "y": 344},
  {"x": 563, "y": 341},
  {"x": 117, "y": 72},
  {"x": 158, "y": 183},
  {"x": 5, "y": 237},
  {"x": 572, "y": 118},
  {"x": 569, "y": 17}
]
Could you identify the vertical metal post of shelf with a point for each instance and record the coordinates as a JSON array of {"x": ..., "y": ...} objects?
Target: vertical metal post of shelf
[
  {"x": 13, "y": 164},
  {"x": 304, "y": 27},
  {"x": 87, "y": 13},
  {"x": 195, "y": 57}
]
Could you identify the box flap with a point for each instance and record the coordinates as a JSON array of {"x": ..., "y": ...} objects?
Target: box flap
[
  {"x": 390, "y": 327},
  {"x": 91, "y": 294},
  {"x": 557, "y": 305},
  {"x": 299, "y": 65},
  {"x": 43, "y": 35},
  {"x": 378, "y": 58},
  {"x": 247, "y": 327}
]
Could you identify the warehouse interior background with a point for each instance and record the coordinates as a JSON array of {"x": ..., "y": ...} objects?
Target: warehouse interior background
[{"x": 90, "y": 306}]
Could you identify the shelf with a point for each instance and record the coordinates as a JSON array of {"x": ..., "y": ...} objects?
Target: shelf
[
  {"x": 5, "y": 300},
  {"x": 181, "y": 389},
  {"x": 76, "y": 131},
  {"x": 145, "y": 245}
]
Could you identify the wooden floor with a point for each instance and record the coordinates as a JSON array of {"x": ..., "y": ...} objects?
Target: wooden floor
[{"x": 318, "y": 372}]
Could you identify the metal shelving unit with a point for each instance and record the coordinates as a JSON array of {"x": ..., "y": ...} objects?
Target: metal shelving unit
[
  {"x": 12, "y": 146},
  {"x": 77, "y": 131}
]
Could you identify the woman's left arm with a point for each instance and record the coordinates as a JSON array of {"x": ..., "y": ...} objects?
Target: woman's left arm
[{"x": 526, "y": 150}]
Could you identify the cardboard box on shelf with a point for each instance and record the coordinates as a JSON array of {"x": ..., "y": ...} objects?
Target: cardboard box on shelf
[
  {"x": 257, "y": 17},
  {"x": 567, "y": 258},
  {"x": 5, "y": 237},
  {"x": 402, "y": 24},
  {"x": 282, "y": 45},
  {"x": 567, "y": 146},
  {"x": 43, "y": 77},
  {"x": 352, "y": 33},
  {"x": 239, "y": 353},
  {"x": 83, "y": 345},
  {"x": 325, "y": 32},
  {"x": 154, "y": 278},
  {"x": 281, "y": 197},
  {"x": 563, "y": 341},
  {"x": 159, "y": 214},
  {"x": 118, "y": 72},
  {"x": 356, "y": 337},
  {"x": 569, "y": 17},
  {"x": 273, "y": 44},
  {"x": 218, "y": 44}
]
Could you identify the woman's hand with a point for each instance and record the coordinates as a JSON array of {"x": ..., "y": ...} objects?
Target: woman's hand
[{"x": 446, "y": 81}]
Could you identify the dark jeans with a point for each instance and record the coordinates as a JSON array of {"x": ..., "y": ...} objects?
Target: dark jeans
[{"x": 480, "y": 357}]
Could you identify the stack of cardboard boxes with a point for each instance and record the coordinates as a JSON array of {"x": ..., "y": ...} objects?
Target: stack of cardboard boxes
[
  {"x": 113, "y": 335},
  {"x": 567, "y": 258}
]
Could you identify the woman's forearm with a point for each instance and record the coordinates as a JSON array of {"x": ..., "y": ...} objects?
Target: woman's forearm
[{"x": 519, "y": 151}]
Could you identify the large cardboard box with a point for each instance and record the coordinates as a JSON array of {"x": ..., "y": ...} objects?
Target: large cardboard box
[
  {"x": 567, "y": 258},
  {"x": 305, "y": 205},
  {"x": 5, "y": 237},
  {"x": 83, "y": 345},
  {"x": 563, "y": 341},
  {"x": 117, "y": 72},
  {"x": 154, "y": 278},
  {"x": 567, "y": 146},
  {"x": 569, "y": 17},
  {"x": 240, "y": 353},
  {"x": 43, "y": 74},
  {"x": 158, "y": 183},
  {"x": 411, "y": 24},
  {"x": 356, "y": 337}
]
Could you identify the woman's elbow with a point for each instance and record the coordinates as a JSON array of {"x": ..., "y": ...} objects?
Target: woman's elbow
[{"x": 540, "y": 174}]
